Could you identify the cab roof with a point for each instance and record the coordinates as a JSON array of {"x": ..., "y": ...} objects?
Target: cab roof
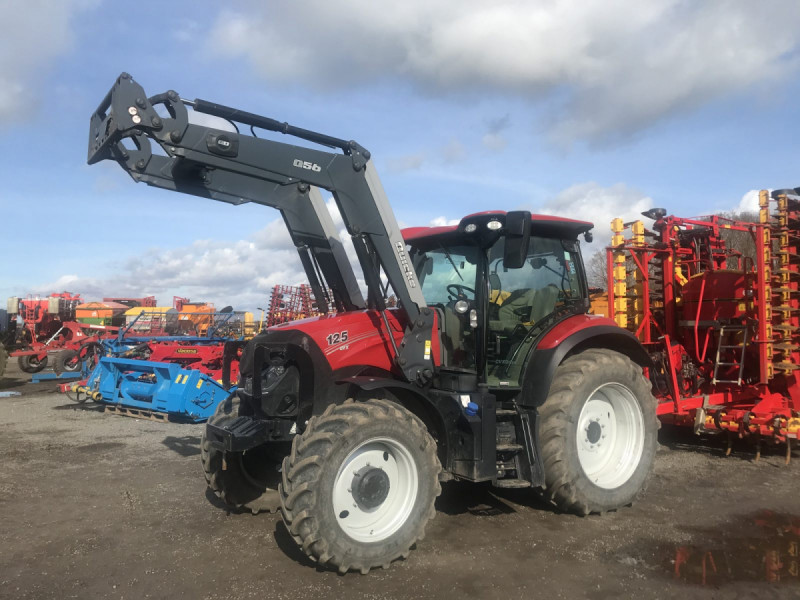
[{"x": 540, "y": 224}]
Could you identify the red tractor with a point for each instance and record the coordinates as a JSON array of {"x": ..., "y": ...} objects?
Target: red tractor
[{"x": 489, "y": 368}]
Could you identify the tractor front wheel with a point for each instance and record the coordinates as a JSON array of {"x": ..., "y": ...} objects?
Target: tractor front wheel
[
  {"x": 242, "y": 480},
  {"x": 359, "y": 486},
  {"x": 598, "y": 432}
]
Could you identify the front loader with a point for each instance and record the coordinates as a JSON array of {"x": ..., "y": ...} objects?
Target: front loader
[{"x": 489, "y": 369}]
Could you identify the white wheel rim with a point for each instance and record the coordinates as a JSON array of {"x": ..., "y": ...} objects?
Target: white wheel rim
[
  {"x": 610, "y": 436},
  {"x": 375, "y": 523}
]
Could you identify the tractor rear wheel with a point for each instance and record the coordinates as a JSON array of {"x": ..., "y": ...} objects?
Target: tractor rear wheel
[
  {"x": 66, "y": 361},
  {"x": 242, "y": 480},
  {"x": 359, "y": 486},
  {"x": 31, "y": 364},
  {"x": 598, "y": 431}
]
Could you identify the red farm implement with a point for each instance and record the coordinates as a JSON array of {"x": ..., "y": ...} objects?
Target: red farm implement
[
  {"x": 208, "y": 358},
  {"x": 717, "y": 304},
  {"x": 290, "y": 303},
  {"x": 47, "y": 325}
]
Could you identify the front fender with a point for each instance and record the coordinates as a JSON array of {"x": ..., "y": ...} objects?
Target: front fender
[{"x": 411, "y": 398}]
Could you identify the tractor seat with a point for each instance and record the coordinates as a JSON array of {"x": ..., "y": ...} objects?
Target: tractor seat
[
  {"x": 546, "y": 299},
  {"x": 517, "y": 309}
]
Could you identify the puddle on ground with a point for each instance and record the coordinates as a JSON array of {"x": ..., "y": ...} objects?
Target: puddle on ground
[{"x": 761, "y": 547}]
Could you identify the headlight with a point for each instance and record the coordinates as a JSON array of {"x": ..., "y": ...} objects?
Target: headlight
[
  {"x": 471, "y": 227},
  {"x": 494, "y": 225},
  {"x": 461, "y": 306}
]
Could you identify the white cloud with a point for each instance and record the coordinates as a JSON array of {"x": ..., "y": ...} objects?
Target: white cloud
[
  {"x": 186, "y": 30},
  {"x": 748, "y": 203},
  {"x": 35, "y": 34},
  {"x": 443, "y": 221},
  {"x": 409, "y": 162},
  {"x": 494, "y": 141},
  {"x": 453, "y": 152},
  {"x": 240, "y": 273},
  {"x": 613, "y": 67},
  {"x": 598, "y": 204},
  {"x": 591, "y": 202}
]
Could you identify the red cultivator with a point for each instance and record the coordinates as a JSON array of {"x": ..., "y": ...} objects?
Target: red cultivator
[
  {"x": 717, "y": 304},
  {"x": 207, "y": 358},
  {"x": 48, "y": 325},
  {"x": 290, "y": 303}
]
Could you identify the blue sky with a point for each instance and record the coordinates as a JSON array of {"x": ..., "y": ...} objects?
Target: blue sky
[{"x": 587, "y": 109}]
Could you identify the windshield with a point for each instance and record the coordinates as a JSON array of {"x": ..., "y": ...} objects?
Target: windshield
[
  {"x": 447, "y": 275},
  {"x": 447, "y": 272}
]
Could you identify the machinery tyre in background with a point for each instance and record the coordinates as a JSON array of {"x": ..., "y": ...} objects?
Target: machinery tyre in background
[
  {"x": 91, "y": 352},
  {"x": 598, "y": 432},
  {"x": 3, "y": 360},
  {"x": 30, "y": 364},
  {"x": 242, "y": 480},
  {"x": 360, "y": 484},
  {"x": 66, "y": 361}
]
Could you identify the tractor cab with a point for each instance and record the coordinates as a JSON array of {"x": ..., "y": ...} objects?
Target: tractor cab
[{"x": 495, "y": 280}]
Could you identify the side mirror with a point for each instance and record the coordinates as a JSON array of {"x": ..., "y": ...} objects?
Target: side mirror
[{"x": 518, "y": 237}]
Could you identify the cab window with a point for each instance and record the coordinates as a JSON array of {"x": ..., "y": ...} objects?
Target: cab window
[
  {"x": 447, "y": 275},
  {"x": 521, "y": 298}
]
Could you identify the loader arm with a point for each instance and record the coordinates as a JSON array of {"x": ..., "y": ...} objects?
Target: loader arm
[{"x": 236, "y": 168}]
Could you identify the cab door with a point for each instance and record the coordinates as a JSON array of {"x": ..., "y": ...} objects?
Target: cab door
[{"x": 521, "y": 298}]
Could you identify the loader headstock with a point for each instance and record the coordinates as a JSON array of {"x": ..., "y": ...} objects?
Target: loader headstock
[{"x": 127, "y": 112}]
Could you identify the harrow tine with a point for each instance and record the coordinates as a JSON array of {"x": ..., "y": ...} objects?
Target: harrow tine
[
  {"x": 788, "y": 450},
  {"x": 758, "y": 447},
  {"x": 730, "y": 443}
]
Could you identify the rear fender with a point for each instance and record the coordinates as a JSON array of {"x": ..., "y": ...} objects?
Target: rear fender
[{"x": 546, "y": 357}]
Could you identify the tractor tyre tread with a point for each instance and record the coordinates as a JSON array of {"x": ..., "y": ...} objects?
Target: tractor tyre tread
[
  {"x": 323, "y": 541},
  {"x": 61, "y": 362},
  {"x": 566, "y": 485},
  {"x": 25, "y": 365},
  {"x": 225, "y": 475}
]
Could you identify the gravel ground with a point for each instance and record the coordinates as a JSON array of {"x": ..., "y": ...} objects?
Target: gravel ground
[{"x": 101, "y": 506}]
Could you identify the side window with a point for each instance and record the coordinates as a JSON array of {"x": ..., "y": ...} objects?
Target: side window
[{"x": 520, "y": 298}]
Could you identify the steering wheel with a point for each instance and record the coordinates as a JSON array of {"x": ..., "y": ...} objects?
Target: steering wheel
[{"x": 458, "y": 290}]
